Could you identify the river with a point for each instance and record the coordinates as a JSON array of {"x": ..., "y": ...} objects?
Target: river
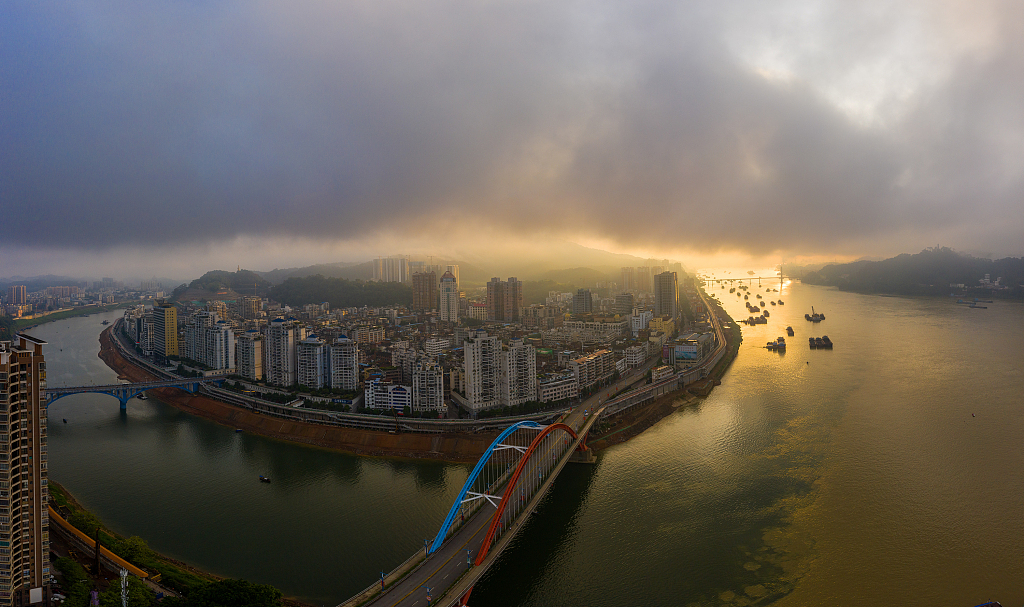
[{"x": 888, "y": 470}]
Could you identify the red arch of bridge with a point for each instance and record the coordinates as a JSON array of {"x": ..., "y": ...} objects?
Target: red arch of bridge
[{"x": 510, "y": 487}]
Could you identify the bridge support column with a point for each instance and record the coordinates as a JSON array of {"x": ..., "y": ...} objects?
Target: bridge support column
[
  {"x": 583, "y": 456},
  {"x": 124, "y": 403}
]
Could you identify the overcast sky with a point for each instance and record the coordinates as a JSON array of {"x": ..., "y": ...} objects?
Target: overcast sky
[{"x": 179, "y": 134}]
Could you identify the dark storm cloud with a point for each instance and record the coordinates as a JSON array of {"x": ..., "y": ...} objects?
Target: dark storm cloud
[{"x": 182, "y": 122}]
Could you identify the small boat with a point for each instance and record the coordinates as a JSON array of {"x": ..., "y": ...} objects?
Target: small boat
[
  {"x": 142, "y": 396},
  {"x": 773, "y": 303},
  {"x": 238, "y": 429},
  {"x": 782, "y": 303},
  {"x": 264, "y": 479},
  {"x": 105, "y": 322},
  {"x": 974, "y": 305},
  {"x": 766, "y": 313},
  {"x": 65, "y": 420},
  {"x": 789, "y": 330}
]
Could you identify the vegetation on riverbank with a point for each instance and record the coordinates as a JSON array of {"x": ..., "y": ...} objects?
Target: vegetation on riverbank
[
  {"x": 9, "y": 326},
  {"x": 196, "y": 588}
]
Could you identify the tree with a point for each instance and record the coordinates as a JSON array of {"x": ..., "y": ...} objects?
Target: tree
[
  {"x": 139, "y": 595},
  {"x": 133, "y": 549},
  {"x": 229, "y": 593},
  {"x": 76, "y": 582},
  {"x": 86, "y": 522}
]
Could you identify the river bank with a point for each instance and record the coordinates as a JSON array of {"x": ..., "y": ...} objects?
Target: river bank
[{"x": 449, "y": 447}]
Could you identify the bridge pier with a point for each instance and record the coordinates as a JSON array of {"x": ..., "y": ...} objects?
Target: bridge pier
[
  {"x": 584, "y": 456},
  {"x": 124, "y": 403}
]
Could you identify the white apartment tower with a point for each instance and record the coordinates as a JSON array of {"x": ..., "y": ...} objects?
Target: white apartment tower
[
  {"x": 344, "y": 364},
  {"x": 249, "y": 355},
  {"x": 482, "y": 366},
  {"x": 428, "y": 387},
  {"x": 311, "y": 363},
  {"x": 449, "y": 295},
  {"x": 279, "y": 362},
  {"x": 518, "y": 373}
]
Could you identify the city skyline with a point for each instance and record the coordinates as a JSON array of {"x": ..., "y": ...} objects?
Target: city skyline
[{"x": 280, "y": 137}]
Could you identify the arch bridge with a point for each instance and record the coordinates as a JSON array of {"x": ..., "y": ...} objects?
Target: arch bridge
[
  {"x": 126, "y": 392},
  {"x": 505, "y": 486}
]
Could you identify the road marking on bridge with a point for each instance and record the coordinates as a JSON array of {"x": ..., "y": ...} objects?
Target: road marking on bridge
[{"x": 438, "y": 570}]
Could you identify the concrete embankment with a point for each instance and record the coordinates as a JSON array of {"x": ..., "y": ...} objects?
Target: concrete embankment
[{"x": 456, "y": 447}]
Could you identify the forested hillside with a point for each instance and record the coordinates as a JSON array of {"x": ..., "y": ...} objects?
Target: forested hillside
[
  {"x": 931, "y": 271},
  {"x": 340, "y": 293}
]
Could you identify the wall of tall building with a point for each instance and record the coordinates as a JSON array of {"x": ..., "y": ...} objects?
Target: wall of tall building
[
  {"x": 666, "y": 294},
  {"x": 424, "y": 291},
  {"x": 24, "y": 516},
  {"x": 482, "y": 366},
  {"x": 449, "y": 298},
  {"x": 279, "y": 363},
  {"x": 249, "y": 355},
  {"x": 344, "y": 364},
  {"x": 165, "y": 330},
  {"x": 518, "y": 373}
]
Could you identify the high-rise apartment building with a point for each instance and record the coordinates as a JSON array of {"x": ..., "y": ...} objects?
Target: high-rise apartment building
[
  {"x": 24, "y": 513},
  {"x": 583, "y": 302},
  {"x": 518, "y": 373},
  {"x": 449, "y": 297},
  {"x": 311, "y": 363},
  {"x": 482, "y": 367},
  {"x": 427, "y": 387},
  {"x": 344, "y": 364},
  {"x": 623, "y": 304},
  {"x": 424, "y": 291},
  {"x": 454, "y": 269},
  {"x": 165, "y": 330},
  {"x": 644, "y": 284},
  {"x": 666, "y": 294},
  {"x": 628, "y": 281},
  {"x": 391, "y": 269},
  {"x": 279, "y": 362},
  {"x": 249, "y": 355},
  {"x": 504, "y": 299},
  {"x": 249, "y": 307},
  {"x": 17, "y": 295}
]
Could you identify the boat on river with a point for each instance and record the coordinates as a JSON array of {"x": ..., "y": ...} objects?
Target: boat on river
[
  {"x": 814, "y": 316},
  {"x": 264, "y": 479},
  {"x": 789, "y": 331}
]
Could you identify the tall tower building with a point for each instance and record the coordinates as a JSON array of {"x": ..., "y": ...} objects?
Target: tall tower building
[
  {"x": 311, "y": 363},
  {"x": 165, "y": 330},
  {"x": 518, "y": 373},
  {"x": 250, "y": 307},
  {"x": 24, "y": 513},
  {"x": 424, "y": 291},
  {"x": 628, "y": 279},
  {"x": 280, "y": 364},
  {"x": 449, "y": 295},
  {"x": 583, "y": 302},
  {"x": 454, "y": 269},
  {"x": 249, "y": 355},
  {"x": 643, "y": 280},
  {"x": 344, "y": 364},
  {"x": 17, "y": 295},
  {"x": 666, "y": 293},
  {"x": 391, "y": 269},
  {"x": 504, "y": 299},
  {"x": 482, "y": 367}
]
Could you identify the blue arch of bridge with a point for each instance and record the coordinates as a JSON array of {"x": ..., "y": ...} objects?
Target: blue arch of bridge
[
  {"x": 123, "y": 394},
  {"x": 472, "y": 478}
]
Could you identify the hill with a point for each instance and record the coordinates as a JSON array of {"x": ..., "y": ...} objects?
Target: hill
[
  {"x": 930, "y": 272},
  {"x": 339, "y": 292},
  {"x": 221, "y": 284}
]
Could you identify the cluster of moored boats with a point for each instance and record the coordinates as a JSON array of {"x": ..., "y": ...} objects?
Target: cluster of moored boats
[
  {"x": 814, "y": 316},
  {"x": 820, "y": 343},
  {"x": 778, "y": 344}
]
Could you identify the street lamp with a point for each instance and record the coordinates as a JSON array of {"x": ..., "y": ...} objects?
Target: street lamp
[
  {"x": 426, "y": 544},
  {"x": 382, "y": 581},
  {"x": 469, "y": 563}
]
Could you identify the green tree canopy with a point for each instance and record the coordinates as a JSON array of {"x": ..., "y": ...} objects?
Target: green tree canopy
[{"x": 340, "y": 293}]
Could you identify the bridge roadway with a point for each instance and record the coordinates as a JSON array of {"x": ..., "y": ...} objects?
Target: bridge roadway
[{"x": 446, "y": 571}]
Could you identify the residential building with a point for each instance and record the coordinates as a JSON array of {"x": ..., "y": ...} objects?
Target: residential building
[
  {"x": 454, "y": 270},
  {"x": 644, "y": 284},
  {"x": 391, "y": 269},
  {"x": 593, "y": 368},
  {"x": 666, "y": 294},
  {"x": 424, "y": 291},
  {"x": 623, "y": 304},
  {"x": 482, "y": 364},
  {"x": 558, "y": 387},
  {"x": 24, "y": 514},
  {"x": 449, "y": 297},
  {"x": 583, "y": 302},
  {"x": 628, "y": 282},
  {"x": 436, "y": 345},
  {"x": 381, "y": 395},
  {"x": 635, "y": 356},
  {"x": 249, "y": 355},
  {"x": 504, "y": 299},
  {"x": 344, "y": 364},
  {"x": 518, "y": 377},
  {"x": 639, "y": 320},
  {"x": 428, "y": 387},
  {"x": 311, "y": 363},
  {"x": 662, "y": 372},
  {"x": 165, "y": 330},
  {"x": 280, "y": 364},
  {"x": 17, "y": 295},
  {"x": 249, "y": 307},
  {"x": 478, "y": 311}
]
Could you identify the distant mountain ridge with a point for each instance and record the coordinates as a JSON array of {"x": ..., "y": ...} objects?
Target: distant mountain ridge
[{"x": 930, "y": 272}]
